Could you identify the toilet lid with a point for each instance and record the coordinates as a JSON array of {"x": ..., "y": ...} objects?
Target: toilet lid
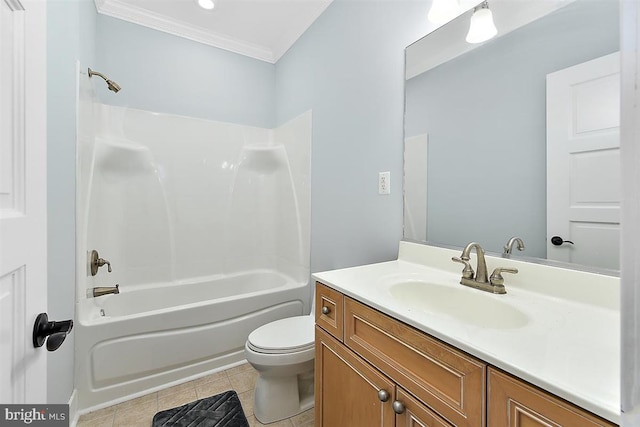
[{"x": 284, "y": 335}]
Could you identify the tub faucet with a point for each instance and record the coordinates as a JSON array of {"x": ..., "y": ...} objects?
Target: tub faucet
[
  {"x": 508, "y": 248},
  {"x": 105, "y": 290},
  {"x": 479, "y": 279}
]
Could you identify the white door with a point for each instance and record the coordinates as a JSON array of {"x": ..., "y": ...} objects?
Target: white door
[
  {"x": 23, "y": 255},
  {"x": 583, "y": 163}
]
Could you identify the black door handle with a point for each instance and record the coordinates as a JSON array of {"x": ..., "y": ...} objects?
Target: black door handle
[
  {"x": 557, "y": 241},
  {"x": 55, "y": 331}
]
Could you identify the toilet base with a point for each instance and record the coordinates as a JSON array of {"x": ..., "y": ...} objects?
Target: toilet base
[{"x": 278, "y": 398}]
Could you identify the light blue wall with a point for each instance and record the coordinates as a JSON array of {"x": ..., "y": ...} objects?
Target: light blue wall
[
  {"x": 485, "y": 113},
  {"x": 169, "y": 74},
  {"x": 348, "y": 68},
  {"x": 70, "y": 36}
]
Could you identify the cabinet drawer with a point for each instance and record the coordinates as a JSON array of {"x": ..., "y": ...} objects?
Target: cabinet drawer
[
  {"x": 513, "y": 402},
  {"x": 329, "y": 310},
  {"x": 449, "y": 381}
]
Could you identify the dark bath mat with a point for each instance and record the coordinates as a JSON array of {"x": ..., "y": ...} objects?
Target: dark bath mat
[{"x": 221, "y": 410}]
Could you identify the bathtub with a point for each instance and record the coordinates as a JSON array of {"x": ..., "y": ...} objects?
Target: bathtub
[{"x": 153, "y": 335}]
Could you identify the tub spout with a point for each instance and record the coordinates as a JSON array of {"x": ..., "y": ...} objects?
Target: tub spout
[{"x": 105, "y": 290}]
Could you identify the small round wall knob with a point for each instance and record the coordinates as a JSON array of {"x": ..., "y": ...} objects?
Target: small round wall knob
[
  {"x": 383, "y": 395},
  {"x": 398, "y": 407},
  {"x": 326, "y": 310}
]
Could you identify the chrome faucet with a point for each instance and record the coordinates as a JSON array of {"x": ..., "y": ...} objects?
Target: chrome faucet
[
  {"x": 508, "y": 248},
  {"x": 106, "y": 290},
  {"x": 479, "y": 280}
]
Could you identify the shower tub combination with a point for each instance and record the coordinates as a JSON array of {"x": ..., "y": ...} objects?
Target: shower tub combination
[{"x": 206, "y": 227}]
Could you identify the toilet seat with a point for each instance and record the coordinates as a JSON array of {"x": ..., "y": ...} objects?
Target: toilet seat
[{"x": 293, "y": 334}]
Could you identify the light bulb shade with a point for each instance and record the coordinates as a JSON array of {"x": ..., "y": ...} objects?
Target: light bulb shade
[
  {"x": 443, "y": 11},
  {"x": 206, "y": 4},
  {"x": 482, "y": 27}
]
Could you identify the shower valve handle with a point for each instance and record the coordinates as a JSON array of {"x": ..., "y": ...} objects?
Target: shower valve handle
[
  {"x": 96, "y": 262},
  {"x": 102, "y": 261}
]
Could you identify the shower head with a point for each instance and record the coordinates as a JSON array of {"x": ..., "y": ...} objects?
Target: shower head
[{"x": 113, "y": 86}]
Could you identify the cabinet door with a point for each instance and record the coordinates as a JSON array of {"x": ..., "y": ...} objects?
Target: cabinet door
[
  {"x": 513, "y": 403},
  {"x": 416, "y": 414},
  {"x": 347, "y": 388}
]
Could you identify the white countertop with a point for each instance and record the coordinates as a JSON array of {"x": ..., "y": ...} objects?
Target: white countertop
[{"x": 569, "y": 344}]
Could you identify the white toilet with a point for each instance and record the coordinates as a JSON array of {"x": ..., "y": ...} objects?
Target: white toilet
[{"x": 282, "y": 352}]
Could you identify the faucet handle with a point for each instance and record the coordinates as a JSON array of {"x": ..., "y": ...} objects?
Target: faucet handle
[
  {"x": 496, "y": 277},
  {"x": 102, "y": 261},
  {"x": 95, "y": 262},
  {"x": 467, "y": 272}
]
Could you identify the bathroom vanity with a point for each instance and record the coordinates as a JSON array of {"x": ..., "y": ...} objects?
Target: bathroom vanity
[{"x": 403, "y": 344}]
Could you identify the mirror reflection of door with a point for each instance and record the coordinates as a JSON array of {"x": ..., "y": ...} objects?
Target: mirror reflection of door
[
  {"x": 415, "y": 187},
  {"x": 583, "y": 163}
]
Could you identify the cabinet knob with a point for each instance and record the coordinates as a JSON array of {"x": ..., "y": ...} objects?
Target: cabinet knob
[
  {"x": 326, "y": 310},
  {"x": 398, "y": 407},
  {"x": 383, "y": 395}
]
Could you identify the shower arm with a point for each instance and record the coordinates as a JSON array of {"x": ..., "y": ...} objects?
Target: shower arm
[{"x": 96, "y": 73}]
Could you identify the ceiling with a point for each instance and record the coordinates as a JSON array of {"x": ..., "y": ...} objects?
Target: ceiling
[{"x": 261, "y": 29}]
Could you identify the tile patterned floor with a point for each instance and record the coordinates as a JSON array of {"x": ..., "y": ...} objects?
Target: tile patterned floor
[{"x": 139, "y": 412}]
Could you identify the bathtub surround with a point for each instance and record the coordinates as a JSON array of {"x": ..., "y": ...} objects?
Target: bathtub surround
[
  {"x": 206, "y": 226},
  {"x": 176, "y": 198}
]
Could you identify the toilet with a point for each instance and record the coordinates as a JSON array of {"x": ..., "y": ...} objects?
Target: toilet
[{"x": 282, "y": 352}]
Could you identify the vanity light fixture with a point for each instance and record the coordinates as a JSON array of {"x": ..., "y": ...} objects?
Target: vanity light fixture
[
  {"x": 206, "y": 4},
  {"x": 443, "y": 11},
  {"x": 481, "y": 27}
]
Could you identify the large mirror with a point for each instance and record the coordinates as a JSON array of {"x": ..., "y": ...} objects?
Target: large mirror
[{"x": 518, "y": 136}]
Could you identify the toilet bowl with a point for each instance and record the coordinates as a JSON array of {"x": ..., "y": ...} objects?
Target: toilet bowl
[{"x": 282, "y": 352}]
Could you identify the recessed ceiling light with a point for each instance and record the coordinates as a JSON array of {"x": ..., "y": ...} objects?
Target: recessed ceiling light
[{"x": 206, "y": 4}]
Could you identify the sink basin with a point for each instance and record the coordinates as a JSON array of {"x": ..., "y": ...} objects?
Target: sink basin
[{"x": 463, "y": 304}]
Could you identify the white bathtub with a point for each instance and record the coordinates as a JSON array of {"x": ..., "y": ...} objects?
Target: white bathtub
[{"x": 149, "y": 336}]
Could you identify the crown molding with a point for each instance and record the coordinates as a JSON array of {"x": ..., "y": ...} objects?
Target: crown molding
[{"x": 121, "y": 10}]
